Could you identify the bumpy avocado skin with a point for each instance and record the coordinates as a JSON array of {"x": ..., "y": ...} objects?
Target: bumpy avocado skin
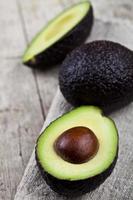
[
  {"x": 98, "y": 73},
  {"x": 57, "y": 52},
  {"x": 75, "y": 188}
]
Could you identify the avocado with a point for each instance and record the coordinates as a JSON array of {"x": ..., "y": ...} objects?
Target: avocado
[
  {"x": 77, "y": 151},
  {"x": 98, "y": 73},
  {"x": 60, "y": 36}
]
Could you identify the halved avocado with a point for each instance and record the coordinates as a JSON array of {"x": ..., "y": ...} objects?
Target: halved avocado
[
  {"x": 60, "y": 36},
  {"x": 77, "y": 151}
]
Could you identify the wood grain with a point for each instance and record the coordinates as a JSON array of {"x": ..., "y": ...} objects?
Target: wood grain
[
  {"x": 20, "y": 120},
  {"x": 119, "y": 184},
  {"x": 120, "y": 10},
  {"x": 21, "y": 110},
  {"x": 12, "y": 40},
  {"x": 17, "y": 91}
]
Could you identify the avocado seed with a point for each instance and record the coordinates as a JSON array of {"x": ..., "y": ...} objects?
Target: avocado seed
[{"x": 77, "y": 145}]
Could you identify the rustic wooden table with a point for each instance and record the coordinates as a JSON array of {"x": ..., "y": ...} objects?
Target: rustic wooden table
[{"x": 25, "y": 94}]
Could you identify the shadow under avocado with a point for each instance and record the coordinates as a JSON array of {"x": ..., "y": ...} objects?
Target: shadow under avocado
[
  {"x": 118, "y": 105},
  {"x": 76, "y": 188}
]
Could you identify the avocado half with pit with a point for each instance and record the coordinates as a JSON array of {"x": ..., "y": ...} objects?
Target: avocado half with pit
[
  {"x": 77, "y": 151},
  {"x": 61, "y": 35}
]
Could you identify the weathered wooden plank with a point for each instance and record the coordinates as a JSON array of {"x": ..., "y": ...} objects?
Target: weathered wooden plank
[
  {"x": 116, "y": 32},
  {"x": 20, "y": 112},
  {"x": 47, "y": 83},
  {"x": 12, "y": 41},
  {"x": 119, "y": 184},
  {"x": 20, "y": 121},
  {"x": 112, "y": 10}
]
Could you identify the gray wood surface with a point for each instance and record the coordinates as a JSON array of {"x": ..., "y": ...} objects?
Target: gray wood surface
[
  {"x": 119, "y": 185},
  {"x": 26, "y": 95}
]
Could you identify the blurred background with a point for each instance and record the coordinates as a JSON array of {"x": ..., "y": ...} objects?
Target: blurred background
[{"x": 26, "y": 94}]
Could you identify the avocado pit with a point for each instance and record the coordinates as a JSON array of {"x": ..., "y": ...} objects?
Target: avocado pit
[{"x": 77, "y": 145}]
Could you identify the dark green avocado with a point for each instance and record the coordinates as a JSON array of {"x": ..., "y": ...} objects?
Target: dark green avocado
[
  {"x": 61, "y": 35},
  {"x": 98, "y": 73},
  {"x": 77, "y": 151}
]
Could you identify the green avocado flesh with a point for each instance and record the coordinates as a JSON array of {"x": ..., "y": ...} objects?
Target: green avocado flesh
[
  {"x": 85, "y": 116},
  {"x": 56, "y": 29}
]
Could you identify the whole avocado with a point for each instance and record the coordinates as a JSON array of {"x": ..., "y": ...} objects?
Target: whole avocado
[{"x": 98, "y": 73}]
